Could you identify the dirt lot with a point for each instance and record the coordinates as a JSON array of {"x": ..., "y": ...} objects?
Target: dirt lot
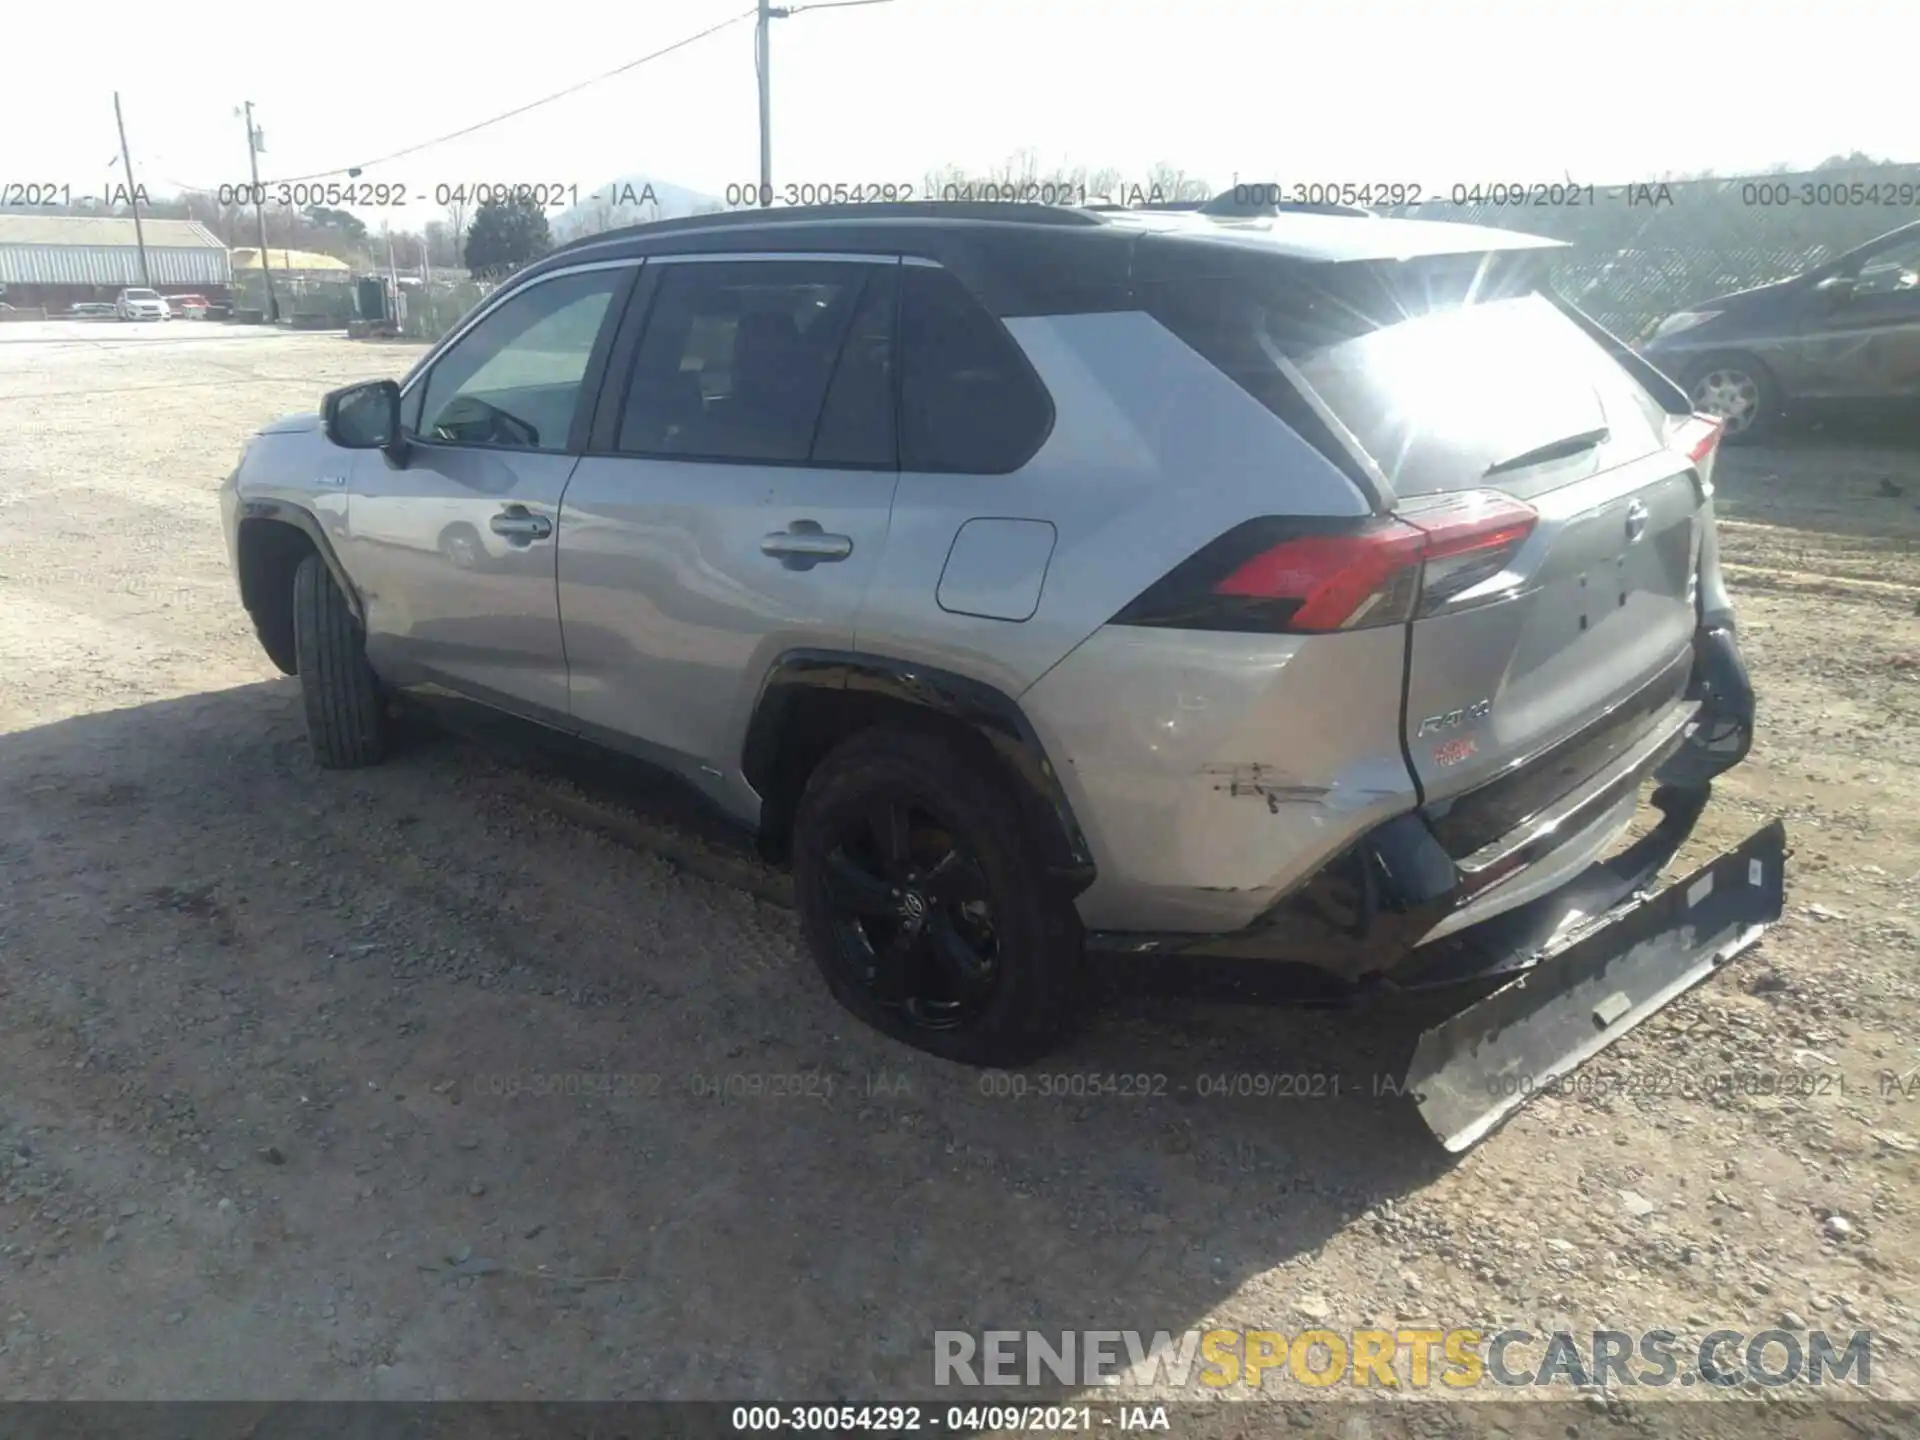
[{"x": 270, "y": 1036}]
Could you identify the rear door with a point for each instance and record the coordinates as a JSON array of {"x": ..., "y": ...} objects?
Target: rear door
[
  {"x": 735, "y": 501},
  {"x": 1586, "y": 627}
]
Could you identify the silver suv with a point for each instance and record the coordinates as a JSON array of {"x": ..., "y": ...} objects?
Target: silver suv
[{"x": 1042, "y": 581}]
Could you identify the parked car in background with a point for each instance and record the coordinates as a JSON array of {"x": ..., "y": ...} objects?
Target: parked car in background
[
  {"x": 1844, "y": 333},
  {"x": 93, "y": 310},
  {"x": 191, "y": 307},
  {"x": 140, "y": 304}
]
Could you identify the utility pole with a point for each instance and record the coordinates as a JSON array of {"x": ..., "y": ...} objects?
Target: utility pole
[
  {"x": 393, "y": 276},
  {"x": 762, "y": 54},
  {"x": 133, "y": 190},
  {"x": 260, "y": 212}
]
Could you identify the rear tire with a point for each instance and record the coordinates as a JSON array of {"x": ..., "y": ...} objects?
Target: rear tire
[
  {"x": 942, "y": 936},
  {"x": 1739, "y": 390},
  {"x": 346, "y": 713}
]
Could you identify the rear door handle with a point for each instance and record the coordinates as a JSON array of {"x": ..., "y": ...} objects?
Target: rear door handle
[
  {"x": 516, "y": 522},
  {"x": 803, "y": 544}
]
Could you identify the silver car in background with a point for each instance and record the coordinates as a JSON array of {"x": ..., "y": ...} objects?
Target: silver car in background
[{"x": 1045, "y": 583}]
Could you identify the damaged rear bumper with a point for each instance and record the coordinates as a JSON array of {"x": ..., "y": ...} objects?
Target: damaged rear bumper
[
  {"x": 1592, "y": 979},
  {"x": 1421, "y": 878},
  {"x": 1578, "y": 961}
]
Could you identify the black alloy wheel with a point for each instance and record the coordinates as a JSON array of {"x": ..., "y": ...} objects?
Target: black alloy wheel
[
  {"x": 925, "y": 902},
  {"x": 912, "y": 917}
]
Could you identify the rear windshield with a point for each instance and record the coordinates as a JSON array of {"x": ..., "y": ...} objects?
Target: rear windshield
[{"x": 1439, "y": 369}]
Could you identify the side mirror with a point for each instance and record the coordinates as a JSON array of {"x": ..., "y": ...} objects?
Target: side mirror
[{"x": 364, "y": 417}]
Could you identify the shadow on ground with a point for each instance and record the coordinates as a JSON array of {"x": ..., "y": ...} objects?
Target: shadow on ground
[{"x": 466, "y": 1023}]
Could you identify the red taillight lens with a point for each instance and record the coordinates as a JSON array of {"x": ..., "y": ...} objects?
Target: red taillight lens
[
  {"x": 1697, "y": 437},
  {"x": 1337, "y": 581},
  {"x": 1470, "y": 538},
  {"x": 1297, "y": 576}
]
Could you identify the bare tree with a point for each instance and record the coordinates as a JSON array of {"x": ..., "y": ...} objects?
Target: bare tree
[
  {"x": 442, "y": 251},
  {"x": 596, "y": 217},
  {"x": 1022, "y": 174},
  {"x": 1167, "y": 182},
  {"x": 457, "y": 222},
  {"x": 1103, "y": 184}
]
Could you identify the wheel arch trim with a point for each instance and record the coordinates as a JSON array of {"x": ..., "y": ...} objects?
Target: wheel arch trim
[
  {"x": 985, "y": 709},
  {"x": 308, "y": 524}
]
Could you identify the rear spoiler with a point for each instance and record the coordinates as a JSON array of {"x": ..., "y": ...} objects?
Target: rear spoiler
[{"x": 1669, "y": 396}]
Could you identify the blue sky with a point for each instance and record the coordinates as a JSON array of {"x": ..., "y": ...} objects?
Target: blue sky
[{"x": 1383, "y": 90}]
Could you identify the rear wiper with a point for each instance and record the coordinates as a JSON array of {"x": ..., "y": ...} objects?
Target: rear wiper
[{"x": 1555, "y": 450}]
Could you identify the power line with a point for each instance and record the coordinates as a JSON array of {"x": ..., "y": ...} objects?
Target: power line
[
  {"x": 829, "y": 5},
  {"x": 521, "y": 109}
]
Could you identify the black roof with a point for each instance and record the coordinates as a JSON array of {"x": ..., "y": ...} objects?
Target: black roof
[{"x": 1024, "y": 259}]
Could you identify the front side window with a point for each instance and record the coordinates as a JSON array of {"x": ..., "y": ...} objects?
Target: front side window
[
  {"x": 514, "y": 380},
  {"x": 1893, "y": 271},
  {"x": 775, "y": 361}
]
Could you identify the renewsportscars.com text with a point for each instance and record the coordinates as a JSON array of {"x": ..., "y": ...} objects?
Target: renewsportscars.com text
[{"x": 1407, "y": 1357}]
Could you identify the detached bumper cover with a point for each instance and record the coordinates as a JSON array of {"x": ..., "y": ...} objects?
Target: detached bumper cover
[{"x": 1591, "y": 982}]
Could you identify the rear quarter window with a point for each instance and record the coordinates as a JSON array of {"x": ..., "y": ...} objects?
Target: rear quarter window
[{"x": 969, "y": 401}]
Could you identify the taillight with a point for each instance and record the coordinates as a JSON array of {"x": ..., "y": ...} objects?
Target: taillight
[
  {"x": 1311, "y": 576},
  {"x": 1698, "y": 438},
  {"x": 1334, "y": 582}
]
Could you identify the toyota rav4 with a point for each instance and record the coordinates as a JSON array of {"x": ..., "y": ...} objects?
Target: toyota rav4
[{"x": 1045, "y": 583}]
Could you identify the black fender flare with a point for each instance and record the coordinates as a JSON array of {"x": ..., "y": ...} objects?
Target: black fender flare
[
  {"x": 990, "y": 712},
  {"x": 308, "y": 524}
]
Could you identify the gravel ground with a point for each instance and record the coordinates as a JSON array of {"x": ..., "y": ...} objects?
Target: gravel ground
[{"x": 396, "y": 1083}]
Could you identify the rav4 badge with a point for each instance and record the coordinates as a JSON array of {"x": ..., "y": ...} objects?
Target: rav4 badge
[{"x": 1454, "y": 719}]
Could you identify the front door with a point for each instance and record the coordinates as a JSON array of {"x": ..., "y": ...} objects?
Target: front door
[
  {"x": 736, "y": 501},
  {"x": 1861, "y": 340},
  {"x": 453, "y": 548}
]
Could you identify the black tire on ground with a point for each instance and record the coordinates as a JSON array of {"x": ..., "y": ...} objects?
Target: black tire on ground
[
  {"x": 346, "y": 713},
  {"x": 1032, "y": 996},
  {"x": 1730, "y": 373}
]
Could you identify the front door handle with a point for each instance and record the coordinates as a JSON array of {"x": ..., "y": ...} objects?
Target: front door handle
[
  {"x": 803, "y": 545},
  {"x": 516, "y": 522}
]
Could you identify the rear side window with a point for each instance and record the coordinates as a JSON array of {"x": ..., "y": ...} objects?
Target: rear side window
[
  {"x": 741, "y": 360},
  {"x": 969, "y": 402},
  {"x": 1439, "y": 369}
]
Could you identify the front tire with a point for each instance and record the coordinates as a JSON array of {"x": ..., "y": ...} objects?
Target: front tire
[
  {"x": 346, "y": 714},
  {"x": 920, "y": 895}
]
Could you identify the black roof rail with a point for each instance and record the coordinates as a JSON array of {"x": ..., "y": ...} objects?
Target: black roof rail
[{"x": 1008, "y": 212}]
